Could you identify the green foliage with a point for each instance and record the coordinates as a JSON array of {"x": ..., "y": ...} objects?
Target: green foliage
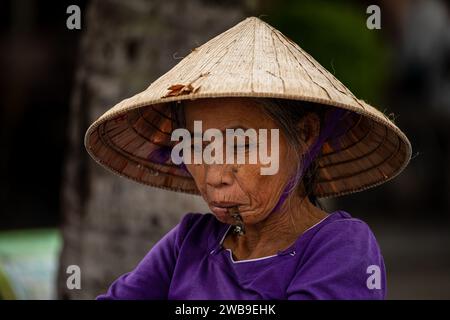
[{"x": 335, "y": 34}]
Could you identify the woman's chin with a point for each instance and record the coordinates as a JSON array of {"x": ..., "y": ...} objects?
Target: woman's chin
[{"x": 225, "y": 217}]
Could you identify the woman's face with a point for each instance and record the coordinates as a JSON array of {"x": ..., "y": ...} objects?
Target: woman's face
[{"x": 224, "y": 185}]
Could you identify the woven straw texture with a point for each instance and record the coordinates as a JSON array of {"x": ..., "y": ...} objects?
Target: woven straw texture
[{"x": 251, "y": 59}]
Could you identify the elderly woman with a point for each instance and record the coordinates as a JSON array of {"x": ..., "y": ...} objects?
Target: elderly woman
[{"x": 267, "y": 237}]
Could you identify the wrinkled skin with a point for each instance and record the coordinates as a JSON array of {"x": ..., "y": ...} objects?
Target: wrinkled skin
[{"x": 256, "y": 194}]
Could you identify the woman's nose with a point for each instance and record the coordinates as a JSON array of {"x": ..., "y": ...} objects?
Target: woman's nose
[{"x": 219, "y": 175}]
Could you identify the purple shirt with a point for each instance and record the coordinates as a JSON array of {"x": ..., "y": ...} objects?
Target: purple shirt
[{"x": 338, "y": 258}]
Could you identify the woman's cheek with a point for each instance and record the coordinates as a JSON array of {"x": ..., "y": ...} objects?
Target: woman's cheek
[
  {"x": 197, "y": 173},
  {"x": 255, "y": 192},
  {"x": 264, "y": 195}
]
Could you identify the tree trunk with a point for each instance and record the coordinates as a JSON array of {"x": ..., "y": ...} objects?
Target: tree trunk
[{"x": 110, "y": 223}]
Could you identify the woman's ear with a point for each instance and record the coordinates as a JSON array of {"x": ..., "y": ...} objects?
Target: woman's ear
[{"x": 309, "y": 128}]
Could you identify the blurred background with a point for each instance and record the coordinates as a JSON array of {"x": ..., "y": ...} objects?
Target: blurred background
[{"x": 59, "y": 208}]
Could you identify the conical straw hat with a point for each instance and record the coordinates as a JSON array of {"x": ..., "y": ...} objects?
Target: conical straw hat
[{"x": 251, "y": 59}]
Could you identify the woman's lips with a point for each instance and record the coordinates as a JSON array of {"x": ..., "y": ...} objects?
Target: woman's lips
[
  {"x": 220, "y": 209},
  {"x": 223, "y": 204}
]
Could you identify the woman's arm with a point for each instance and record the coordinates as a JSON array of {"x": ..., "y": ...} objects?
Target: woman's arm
[
  {"x": 151, "y": 278},
  {"x": 343, "y": 261}
]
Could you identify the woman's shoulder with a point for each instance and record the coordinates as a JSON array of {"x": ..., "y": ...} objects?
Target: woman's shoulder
[
  {"x": 343, "y": 253},
  {"x": 341, "y": 222},
  {"x": 344, "y": 232}
]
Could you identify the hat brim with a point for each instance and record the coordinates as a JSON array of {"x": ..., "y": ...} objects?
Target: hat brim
[{"x": 252, "y": 59}]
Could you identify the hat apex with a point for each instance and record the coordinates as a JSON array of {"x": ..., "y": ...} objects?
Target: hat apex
[{"x": 251, "y": 59}]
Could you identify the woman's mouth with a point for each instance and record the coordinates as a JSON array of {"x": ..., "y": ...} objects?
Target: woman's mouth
[{"x": 221, "y": 208}]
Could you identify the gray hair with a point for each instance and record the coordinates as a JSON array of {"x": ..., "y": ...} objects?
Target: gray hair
[{"x": 287, "y": 114}]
